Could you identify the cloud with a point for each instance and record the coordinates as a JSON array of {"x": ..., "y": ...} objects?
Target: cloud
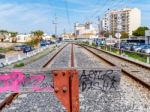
[
  {"x": 19, "y": 17},
  {"x": 28, "y": 16}
]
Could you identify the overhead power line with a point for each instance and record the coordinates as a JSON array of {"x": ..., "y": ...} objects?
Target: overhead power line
[
  {"x": 108, "y": 4},
  {"x": 101, "y": 9},
  {"x": 67, "y": 13}
]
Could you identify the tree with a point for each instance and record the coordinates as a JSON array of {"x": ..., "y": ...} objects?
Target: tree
[
  {"x": 37, "y": 37},
  {"x": 105, "y": 33},
  {"x": 54, "y": 36},
  {"x": 140, "y": 31},
  {"x": 38, "y": 34},
  {"x": 124, "y": 35},
  {"x": 4, "y": 31},
  {"x": 3, "y": 34},
  {"x": 13, "y": 35}
]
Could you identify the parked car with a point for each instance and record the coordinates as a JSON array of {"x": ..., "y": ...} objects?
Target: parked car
[
  {"x": 19, "y": 47},
  {"x": 2, "y": 56},
  {"x": 146, "y": 49},
  {"x": 27, "y": 49},
  {"x": 138, "y": 48},
  {"x": 43, "y": 43},
  {"x": 128, "y": 47},
  {"x": 122, "y": 45},
  {"x": 48, "y": 42},
  {"x": 134, "y": 47}
]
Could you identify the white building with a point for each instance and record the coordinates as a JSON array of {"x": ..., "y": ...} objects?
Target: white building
[
  {"x": 5, "y": 37},
  {"x": 85, "y": 30},
  {"x": 105, "y": 22},
  {"x": 123, "y": 20},
  {"x": 47, "y": 37},
  {"x": 23, "y": 37}
]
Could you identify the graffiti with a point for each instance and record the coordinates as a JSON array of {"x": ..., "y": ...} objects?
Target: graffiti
[
  {"x": 99, "y": 80},
  {"x": 17, "y": 81}
]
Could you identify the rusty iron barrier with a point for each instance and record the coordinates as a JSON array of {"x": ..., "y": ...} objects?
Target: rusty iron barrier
[
  {"x": 66, "y": 83},
  {"x": 66, "y": 88}
]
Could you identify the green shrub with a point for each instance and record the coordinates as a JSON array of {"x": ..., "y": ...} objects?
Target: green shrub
[
  {"x": 19, "y": 65},
  {"x": 33, "y": 42},
  {"x": 93, "y": 44}
]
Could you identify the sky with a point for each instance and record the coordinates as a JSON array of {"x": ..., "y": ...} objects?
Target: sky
[{"x": 24, "y": 16}]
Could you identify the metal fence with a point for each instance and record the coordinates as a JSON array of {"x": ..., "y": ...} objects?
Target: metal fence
[
  {"x": 143, "y": 57},
  {"x": 17, "y": 57}
]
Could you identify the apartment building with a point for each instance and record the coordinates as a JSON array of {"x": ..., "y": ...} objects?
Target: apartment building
[{"x": 123, "y": 20}]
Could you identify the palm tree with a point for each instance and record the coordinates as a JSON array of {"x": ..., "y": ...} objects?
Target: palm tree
[
  {"x": 37, "y": 37},
  {"x": 38, "y": 34}
]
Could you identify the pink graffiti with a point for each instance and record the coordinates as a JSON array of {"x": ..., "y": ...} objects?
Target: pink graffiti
[{"x": 14, "y": 80}]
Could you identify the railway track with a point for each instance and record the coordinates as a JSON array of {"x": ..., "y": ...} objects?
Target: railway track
[
  {"x": 74, "y": 55},
  {"x": 132, "y": 96},
  {"x": 139, "y": 72},
  {"x": 7, "y": 99}
]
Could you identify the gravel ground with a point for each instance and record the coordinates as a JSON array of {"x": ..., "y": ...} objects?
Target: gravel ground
[
  {"x": 62, "y": 60},
  {"x": 36, "y": 102},
  {"x": 131, "y": 97},
  {"x": 86, "y": 59}
]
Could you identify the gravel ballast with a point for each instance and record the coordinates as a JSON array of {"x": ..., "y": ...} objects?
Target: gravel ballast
[{"x": 131, "y": 96}]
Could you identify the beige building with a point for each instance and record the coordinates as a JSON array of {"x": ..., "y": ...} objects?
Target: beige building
[
  {"x": 123, "y": 20},
  {"x": 85, "y": 30},
  {"x": 23, "y": 38},
  {"x": 47, "y": 37},
  {"x": 68, "y": 36}
]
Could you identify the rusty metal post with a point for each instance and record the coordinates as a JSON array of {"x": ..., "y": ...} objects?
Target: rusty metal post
[
  {"x": 66, "y": 87},
  {"x": 74, "y": 91}
]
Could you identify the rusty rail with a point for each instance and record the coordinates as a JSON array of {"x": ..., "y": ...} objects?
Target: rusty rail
[
  {"x": 8, "y": 100},
  {"x": 50, "y": 60},
  {"x": 66, "y": 86}
]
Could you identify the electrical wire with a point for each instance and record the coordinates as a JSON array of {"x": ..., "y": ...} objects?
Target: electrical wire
[
  {"x": 99, "y": 9},
  {"x": 67, "y": 13}
]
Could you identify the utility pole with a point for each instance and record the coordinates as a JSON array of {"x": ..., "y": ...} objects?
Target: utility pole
[
  {"x": 64, "y": 31},
  {"x": 55, "y": 23}
]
